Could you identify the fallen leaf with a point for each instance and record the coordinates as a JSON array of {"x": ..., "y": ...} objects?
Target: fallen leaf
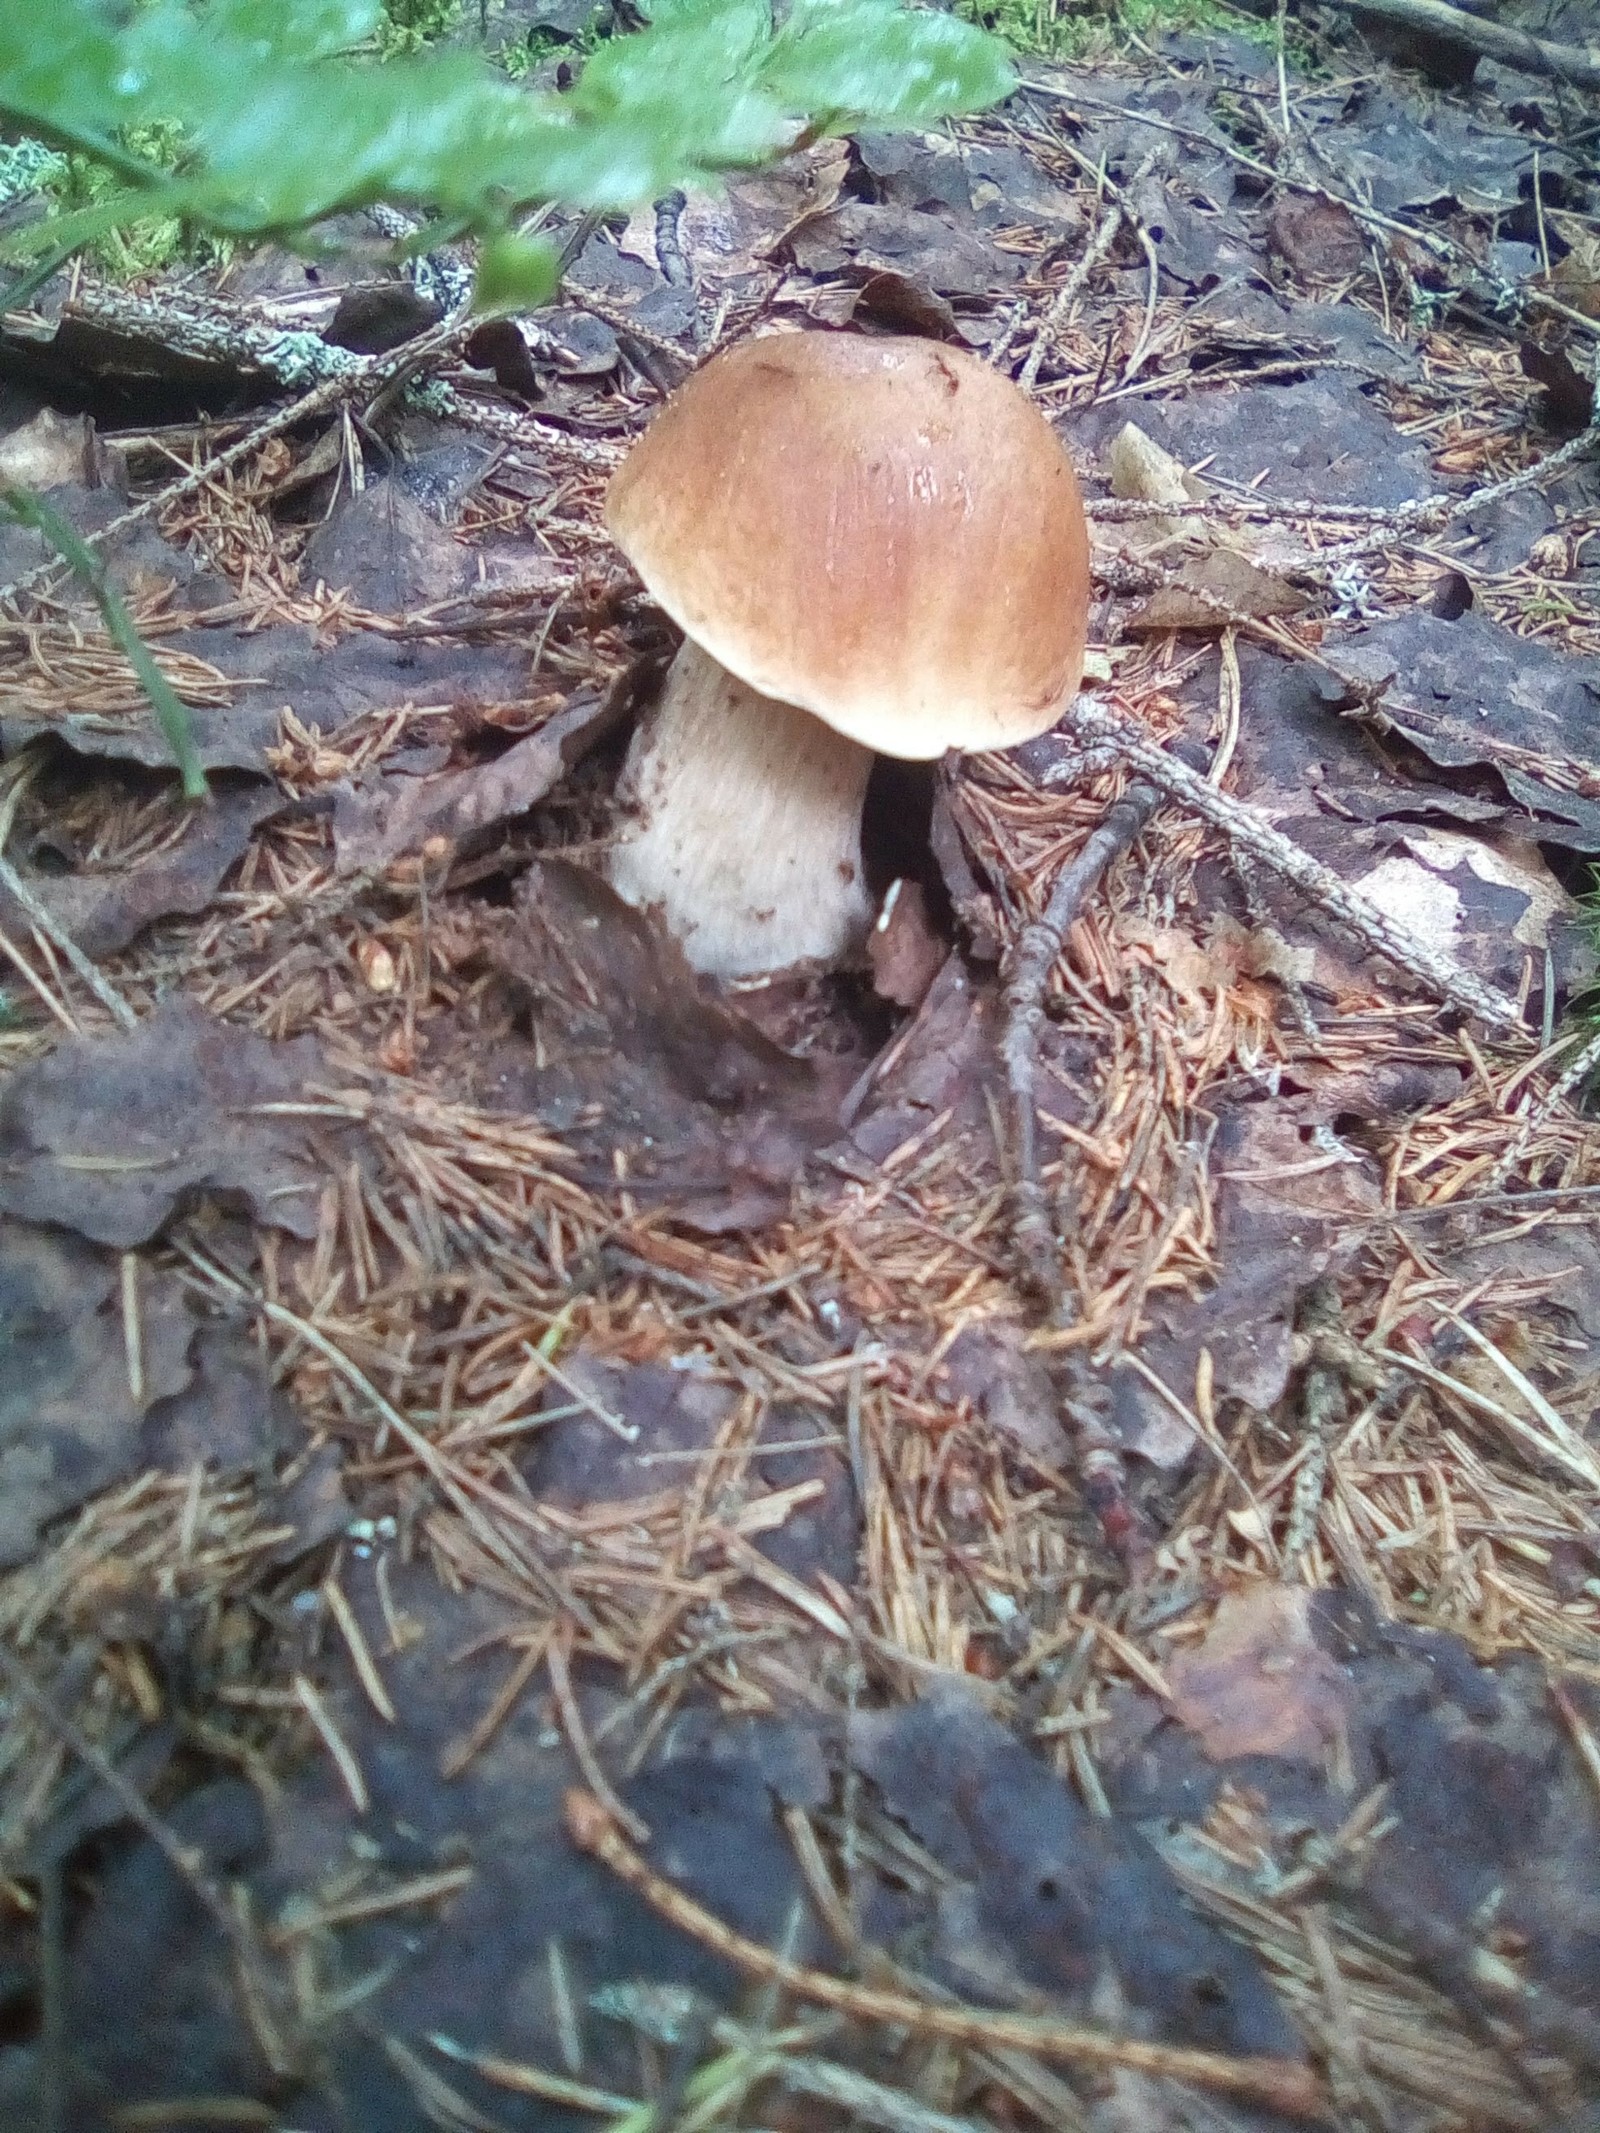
[
  {"x": 72, "y": 1422},
  {"x": 387, "y": 553},
  {"x": 50, "y": 450},
  {"x": 1211, "y": 590},
  {"x": 103, "y": 911},
  {"x": 1567, "y": 403},
  {"x": 1007, "y": 1384},
  {"x": 1258, "y": 1683},
  {"x": 109, "y": 1136},
  {"x": 374, "y": 824},
  {"x": 1316, "y": 236},
  {"x": 1469, "y": 691},
  {"x": 1322, "y": 439},
  {"x": 948, "y": 260},
  {"x": 899, "y": 303},
  {"x": 1143, "y": 472},
  {"x": 905, "y": 949},
  {"x": 373, "y": 317}
]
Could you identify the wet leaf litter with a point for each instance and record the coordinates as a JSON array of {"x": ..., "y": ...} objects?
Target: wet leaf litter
[{"x": 476, "y": 1385}]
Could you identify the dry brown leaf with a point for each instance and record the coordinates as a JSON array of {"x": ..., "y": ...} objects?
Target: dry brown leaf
[
  {"x": 1259, "y": 1683},
  {"x": 1212, "y": 590}
]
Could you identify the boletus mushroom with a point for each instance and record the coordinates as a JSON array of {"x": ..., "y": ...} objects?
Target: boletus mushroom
[{"x": 869, "y": 545}]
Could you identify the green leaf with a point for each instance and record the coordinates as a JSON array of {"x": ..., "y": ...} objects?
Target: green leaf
[
  {"x": 878, "y": 65},
  {"x": 515, "y": 273},
  {"x": 84, "y": 224},
  {"x": 283, "y": 126}
]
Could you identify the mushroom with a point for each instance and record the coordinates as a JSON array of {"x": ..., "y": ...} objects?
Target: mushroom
[{"x": 869, "y": 545}]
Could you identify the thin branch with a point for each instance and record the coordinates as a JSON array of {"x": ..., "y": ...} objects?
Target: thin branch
[
  {"x": 1281, "y": 2084},
  {"x": 1090, "y": 721}
]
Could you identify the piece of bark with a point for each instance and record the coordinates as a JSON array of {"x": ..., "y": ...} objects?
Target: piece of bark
[{"x": 1516, "y": 48}]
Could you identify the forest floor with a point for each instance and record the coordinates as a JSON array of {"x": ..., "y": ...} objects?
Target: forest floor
[{"x": 1060, "y": 1550}]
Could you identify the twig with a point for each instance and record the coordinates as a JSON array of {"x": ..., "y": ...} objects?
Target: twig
[
  {"x": 1418, "y": 514},
  {"x": 1572, "y": 1076},
  {"x": 1049, "y": 327},
  {"x": 364, "y": 376},
  {"x": 1280, "y": 2084},
  {"x": 1066, "y": 296},
  {"x": 1506, "y": 302},
  {"x": 1431, "y": 514},
  {"x": 53, "y": 930},
  {"x": 520, "y": 427},
  {"x": 621, "y": 320},
  {"x": 1091, "y": 721}
]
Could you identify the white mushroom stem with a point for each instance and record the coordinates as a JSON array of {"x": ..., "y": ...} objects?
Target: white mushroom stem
[{"x": 746, "y": 830}]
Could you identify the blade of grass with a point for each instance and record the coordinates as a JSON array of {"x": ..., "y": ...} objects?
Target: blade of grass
[{"x": 85, "y": 565}]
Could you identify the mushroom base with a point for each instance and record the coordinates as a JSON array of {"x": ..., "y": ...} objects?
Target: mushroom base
[{"x": 746, "y": 836}]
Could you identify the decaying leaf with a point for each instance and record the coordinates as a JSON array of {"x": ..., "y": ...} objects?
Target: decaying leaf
[
  {"x": 898, "y": 303},
  {"x": 387, "y": 553},
  {"x": 1213, "y": 589},
  {"x": 1469, "y": 691},
  {"x": 945, "y": 258},
  {"x": 1057, "y": 1897},
  {"x": 103, "y": 1379},
  {"x": 108, "y": 1137},
  {"x": 104, "y": 908},
  {"x": 1259, "y": 1683},
  {"x": 656, "y": 1082},
  {"x": 374, "y": 824},
  {"x": 1144, "y": 472},
  {"x": 904, "y": 947},
  {"x": 1321, "y": 439},
  {"x": 1487, "y": 902},
  {"x": 1317, "y": 236}
]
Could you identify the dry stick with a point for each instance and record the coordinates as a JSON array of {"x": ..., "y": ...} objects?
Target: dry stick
[
  {"x": 1578, "y": 64},
  {"x": 1432, "y": 514},
  {"x": 1067, "y": 295},
  {"x": 621, "y": 320},
  {"x": 1422, "y": 514},
  {"x": 1572, "y": 1076},
  {"x": 1090, "y": 721},
  {"x": 1280, "y": 2084}
]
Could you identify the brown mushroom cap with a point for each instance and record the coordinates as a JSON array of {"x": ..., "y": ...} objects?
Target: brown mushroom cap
[{"x": 884, "y": 532}]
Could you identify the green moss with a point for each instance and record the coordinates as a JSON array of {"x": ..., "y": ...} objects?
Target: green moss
[
  {"x": 1074, "y": 29},
  {"x": 539, "y": 46},
  {"x": 411, "y": 24},
  {"x": 74, "y": 181}
]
